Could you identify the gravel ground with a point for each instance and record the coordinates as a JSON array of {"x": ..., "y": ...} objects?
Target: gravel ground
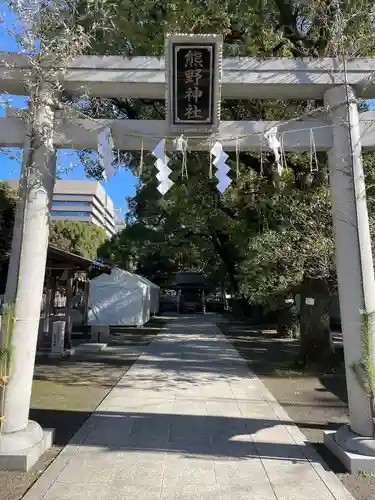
[
  {"x": 315, "y": 401},
  {"x": 67, "y": 391}
]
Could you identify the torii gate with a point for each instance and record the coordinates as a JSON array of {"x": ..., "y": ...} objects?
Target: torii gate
[{"x": 342, "y": 132}]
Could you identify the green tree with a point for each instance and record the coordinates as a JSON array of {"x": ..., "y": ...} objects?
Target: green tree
[
  {"x": 156, "y": 252},
  {"x": 8, "y": 199},
  {"x": 253, "y": 215},
  {"x": 294, "y": 254},
  {"x": 80, "y": 238}
]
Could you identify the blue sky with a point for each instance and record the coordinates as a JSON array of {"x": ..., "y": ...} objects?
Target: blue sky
[{"x": 120, "y": 186}]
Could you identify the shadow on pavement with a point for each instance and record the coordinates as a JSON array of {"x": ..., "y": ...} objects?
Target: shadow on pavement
[{"x": 190, "y": 435}]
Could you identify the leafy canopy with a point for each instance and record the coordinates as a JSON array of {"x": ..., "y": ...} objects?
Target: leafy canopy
[
  {"x": 80, "y": 238},
  {"x": 266, "y": 234}
]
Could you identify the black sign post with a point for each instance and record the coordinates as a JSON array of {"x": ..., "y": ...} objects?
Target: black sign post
[{"x": 193, "y": 76}]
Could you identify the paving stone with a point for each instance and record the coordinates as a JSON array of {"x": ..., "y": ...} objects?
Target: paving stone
[
  {"x": 291, "y": 483},
  {"x": 241, "y": 473},
  {"x": 191, "y": 492},
  {"x": 123, "y": 490},
  {"x": 131, "y": 456},
  {"x": 75, "y": 491},
  {"x": 137, "y": 472},
  {"x": 180, "y": 470},
  {"x": 186, "y": 406},
  {"x": 251, "y": 491},
  {"x": 223, "y": 408},
  {"x": 95, "y": 470}
]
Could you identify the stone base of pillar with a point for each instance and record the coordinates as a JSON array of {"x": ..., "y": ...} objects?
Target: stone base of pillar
[
  {"x": 355, "y": 452},
  {"x": 19, "y": 451}
]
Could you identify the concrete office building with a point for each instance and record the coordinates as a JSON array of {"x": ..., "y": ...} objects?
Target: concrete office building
[
  {"x": 120, "y": 223},
  {"x": 84, "y": 201}
]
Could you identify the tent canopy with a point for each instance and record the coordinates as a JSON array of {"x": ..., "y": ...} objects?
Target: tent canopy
[{"x": 122, "y": 298}]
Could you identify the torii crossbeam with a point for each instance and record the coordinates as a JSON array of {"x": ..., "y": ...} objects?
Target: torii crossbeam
[{"x": 342, "y": 132}]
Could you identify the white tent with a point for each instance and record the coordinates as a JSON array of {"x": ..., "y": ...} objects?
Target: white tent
[
  {"x": 122, "y": 298},
  {"x": 155, "y": 295}
]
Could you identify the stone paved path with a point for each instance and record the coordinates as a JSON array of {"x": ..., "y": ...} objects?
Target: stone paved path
[{"x": 188, "y": 421}]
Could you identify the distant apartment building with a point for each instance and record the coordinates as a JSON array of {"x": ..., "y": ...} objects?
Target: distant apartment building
[{"x": 85, "y": 201}]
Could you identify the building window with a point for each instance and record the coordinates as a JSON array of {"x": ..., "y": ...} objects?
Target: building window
[
  {"x": 63, "y": 203},
  {"x": 57, "y": 213}
]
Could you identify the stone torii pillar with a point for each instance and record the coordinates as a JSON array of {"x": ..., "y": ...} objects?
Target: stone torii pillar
[
  {"x": 355, "y": 271},
  {"x": 22, "y": 442}
]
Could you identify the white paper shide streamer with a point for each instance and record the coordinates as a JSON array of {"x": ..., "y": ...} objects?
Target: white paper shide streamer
[
  {"x": 275, "y": 146},
  {"x": 161, "y": 165},
  {"x": 221, "y": 166},
  {"x": 105, "y": 153},
  {"x": 180, "y": 144}
]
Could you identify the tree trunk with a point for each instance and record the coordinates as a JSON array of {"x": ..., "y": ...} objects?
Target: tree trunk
[
  {"x": 238, "y": 307},
  {"x": 315, "y": 331},
  {"x": 227, "y": 257},
  {"x": 288, "y": 322}
]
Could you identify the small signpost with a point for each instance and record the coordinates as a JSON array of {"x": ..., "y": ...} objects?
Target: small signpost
[
  {"x": 58, "y": 335},
  {"x": 193, "y": 76}
]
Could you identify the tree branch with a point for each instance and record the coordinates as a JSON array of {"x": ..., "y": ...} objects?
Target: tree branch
[
  {"x": 124, "y": 106},
  {"x": 302, "y": 46}
]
